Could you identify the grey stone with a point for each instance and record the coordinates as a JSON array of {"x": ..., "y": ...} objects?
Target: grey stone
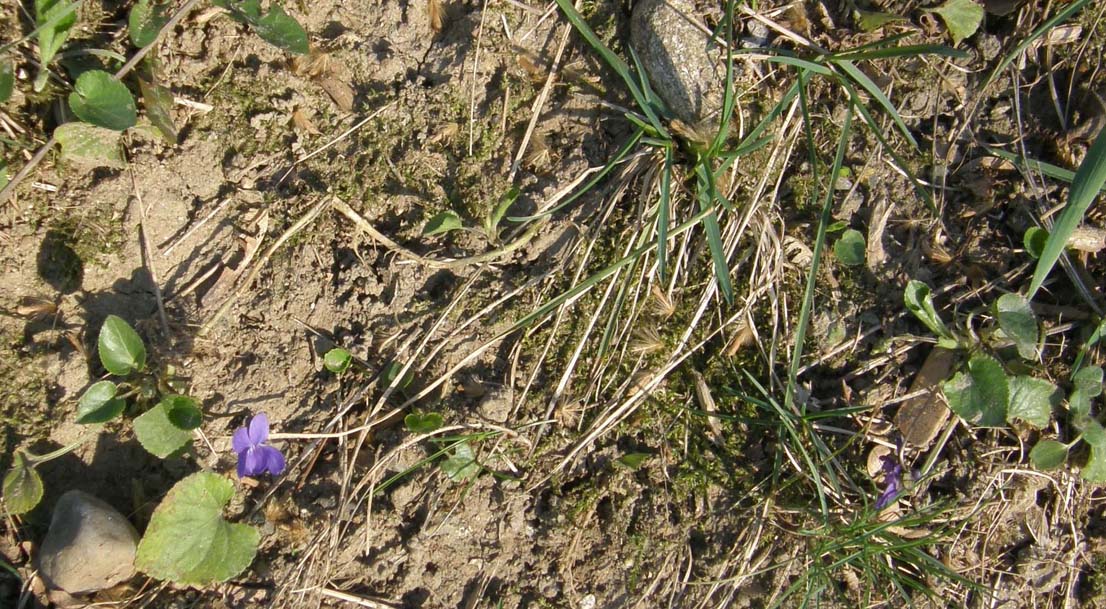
[
  {"x": 685, "y": 68},
  {"x": 90, "y": 546}
]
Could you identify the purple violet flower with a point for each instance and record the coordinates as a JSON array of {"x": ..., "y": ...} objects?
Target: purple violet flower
[
  {"x": 255, "y": 457},
  {"x": 892, "y": 477}
]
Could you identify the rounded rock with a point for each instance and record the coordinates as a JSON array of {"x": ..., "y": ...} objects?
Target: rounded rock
[
  {"x": 90, "y": 546},
  {"x": 685, "y": 68}
]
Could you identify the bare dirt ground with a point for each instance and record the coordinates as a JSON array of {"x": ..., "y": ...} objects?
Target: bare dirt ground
[{"x": 609, "y": 478}]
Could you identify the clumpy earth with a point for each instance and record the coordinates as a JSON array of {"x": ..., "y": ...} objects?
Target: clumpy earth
[{"x": 637, "y": 442}]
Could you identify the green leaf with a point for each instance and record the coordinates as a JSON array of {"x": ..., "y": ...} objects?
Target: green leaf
[
  {"x": 491, "y": 223},
  {"x": 919, "y": 301},
  {"x": 146, "y": 21},
  {"x": 1019, "y": 323},
  {"x": 7, "y": 81},
  {"x": 1095, "y": 437},
  {"x": 392, "y": 373},
  {"x": 1034, "y": 241},
  {"x": 981, "y": 394},
  {"x": 870, "y": 21},
  {"x": 183, "y": 411},
  {"x": 442, "y": 223},
  {"x": 421, "y": 423},
  {"x": 62, "y": 15},
  {"x": 337, "y": 360},
  {"x": 462, "y": 465},
  {"x": 633, "y": 460},
  {"x": 281, "y": 30},
  {"x": 850, "y": 248},
  {"x": 121, "y": 349},
  {"x": 3, "y": 174},
  {"x": 89, "y": 146},
  {"x": 1086, "y": 385},
  {"x": 22, "y": 486},
  {"x": 1032, "y": 400},
  {"x": 962, "y": 17},
  {"x": 158, "y": 102},
  {"x": 99, "y": 99},
  {"x": 189, "y": 542},
  {"x": 1048, "y": 454},
  {"x": 157, "y": 433},
  {"x": 99, "y": 404},
  {"x": 1088, "y": 180}
]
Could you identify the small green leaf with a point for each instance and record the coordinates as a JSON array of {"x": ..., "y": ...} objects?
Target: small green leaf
[
  {"x": 337, "y": 360},
  {"x": 99, "y": 404},
  {"x": 870, "y": 21},
  {"x": 1032, "y": 400},
  {"x": 7, "y": 81},
  {"x": 281, "y": 30},
  {"x": 420, "y": 423},
  {"x": 22, "y": 486},
  {"x": 121, "y": 349},
  {"x": 1034, "y": 241},
  {"x": 99, "y": 99},
  {"x": 158, "y": 102},
  {"x": 146, "y": 21},
  {"x": 1095, "y": 437},
  {"x": 919, "y": 301},
  {"x": 1048, "y": 454},
  {"x": 961, "y": 17},
  {"x": 54, "y": 19},
  {"x": 850, "y": 248},
  {"x": 157, "y": 433},
  {"x": 189, "y": 542},
  {"x": 837, "y": 227},
  {"x": 981, "y": 394},
  {"x": 491, "y": 223},
  {"x": 442, "y": 223},
  {"x": 392, "y": 373},
  {"x": 183, "y": 411},
  {"x": 1086, "y": 385},
  {"x": 88, "y": 146},
  {"x": 633, "y": 460},
  {"x": 462, "y": 465},
  {"x": 1019, "y": 323}
]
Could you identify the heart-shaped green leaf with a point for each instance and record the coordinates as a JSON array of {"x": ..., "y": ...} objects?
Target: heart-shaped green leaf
[
  {"x": 1019, "y": 323},
  {"x": 1048, "y": 454},
  {"x": 99, "y": 99},
  {"x": 337, "y": 360},
  {"x": 462, "y": 465},
  {"x": 145, "y": 21},
  {"x": 962, "y": 17},
  {"x": 99, "y": 404},
  {"x": 88, "y": 146},
  {"x": 121, "y": 349},
  {"x": 157, "y": 433},
  {"x": 1032, "y": 400},
  {"x": 442, "y": 223},
  {"x": 1086, "y": 385},
  {"x": 850, "y": 248},
  {"x": 189, "y": 542},
  {"x": 183, "y": 411},
  {"x": 981, "y": 394},
  {"x": 1095, "y": 437},
  {"x": 281, "y": 30},
  {"x": 22, "y": 486},
  {"x": 420, "y": 423}
]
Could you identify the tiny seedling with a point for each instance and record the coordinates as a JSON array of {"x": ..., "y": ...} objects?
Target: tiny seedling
[{"x": 337, "y": 360}]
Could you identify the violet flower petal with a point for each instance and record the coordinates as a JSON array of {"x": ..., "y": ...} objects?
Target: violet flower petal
[
  {"x": 259, "y": 428},
  {"x": 254, "y": 460},
  {"x": 274, "y": 460},
  {"x": 242, "y": 473},
  {"x": 240, "y": 441}
]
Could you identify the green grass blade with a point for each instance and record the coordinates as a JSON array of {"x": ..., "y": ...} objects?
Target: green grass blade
[
  {"x": 728, "y": 94},
  {"x": 911, "y": 50},
  {"x": 862, "y": 79},
  {"x": 1086, "y": 184},
  {"x": 713, "y": 233}
]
